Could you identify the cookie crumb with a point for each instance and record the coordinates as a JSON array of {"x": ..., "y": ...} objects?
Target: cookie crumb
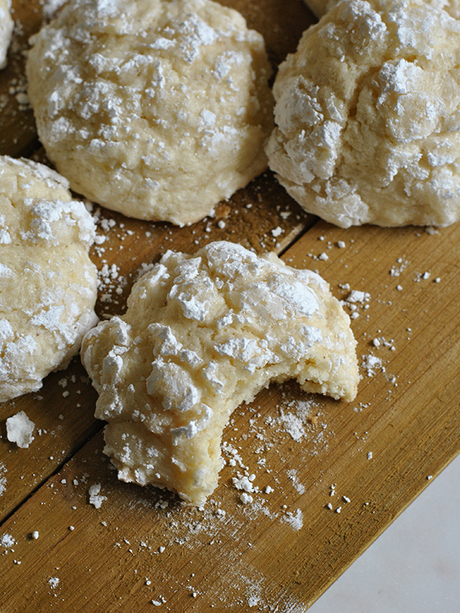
[
  {"x": 95, "y": 498},
  {"x": 19, "y": 429}
]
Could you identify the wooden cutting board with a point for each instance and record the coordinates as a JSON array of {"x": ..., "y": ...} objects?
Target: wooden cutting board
[{"x": 338, "y": 473}]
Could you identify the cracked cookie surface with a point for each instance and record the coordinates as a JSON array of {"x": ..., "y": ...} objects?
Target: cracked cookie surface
[
  {"x": 156, "y": 109},
  {"x": 367, "y": 114},
  {"x": 203, "y": 334},
  {"x": 48, "y": 284}
]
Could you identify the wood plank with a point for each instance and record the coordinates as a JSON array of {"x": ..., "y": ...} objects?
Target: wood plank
[
  {"x": 234, "y": 556},
  {"x": 284, "y": 549}
]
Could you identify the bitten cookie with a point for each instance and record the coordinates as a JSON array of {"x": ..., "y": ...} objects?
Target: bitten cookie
[
  {"x": 47, "y": 281},
  {"x": 6, "y": 30},
  {"x": 153, "y": 108},
  {"x": 321, "y": 7},
  {"x": 203, "y": 334},
  {"x": 367, "y": 114}
]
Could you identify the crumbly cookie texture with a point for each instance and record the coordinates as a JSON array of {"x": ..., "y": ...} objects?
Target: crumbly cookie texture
[
  {"x": 19, "y": 429},
  {"x": 321, "y": 7},
  {"x": 6, "y": 30},
  {"x": 203, "y": 334},
  {"x": 48, "y": 284},
  {"x": 158, "y": 109},
  {"x": 367, "y": 114}
]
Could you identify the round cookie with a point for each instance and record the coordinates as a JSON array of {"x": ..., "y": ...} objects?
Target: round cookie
[
  {"x": 202, "y": 334},
  {"x": 48, "y": 284},
  {"x": 153, "y": 108},
  {"x": 321, "y": 7},
  {"x": 367, "y": 114},
  {"x": 6, "y": 30}
]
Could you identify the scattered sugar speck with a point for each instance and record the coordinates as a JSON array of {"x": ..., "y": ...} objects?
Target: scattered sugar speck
[
  {"x": 294, "y": 520},
  {"x": 53, "y": 582},
  {"x": 19, "y": 429},
  {"x": 246, "y": 498},
  {"x": 7, "y": 541},
  {"x": 95, "y": 498}
]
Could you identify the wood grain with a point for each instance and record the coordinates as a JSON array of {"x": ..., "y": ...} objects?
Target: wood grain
[{"x": 367, "y": 460}]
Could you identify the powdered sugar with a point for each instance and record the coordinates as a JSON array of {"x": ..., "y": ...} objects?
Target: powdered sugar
[
  {"x": 295, "y": 520},
  {"x": 95, "y": 497},
  {"x": 372, "y": 364},
  {"x": 7, "y": 541},
  {"x": 19, "y": 429}
]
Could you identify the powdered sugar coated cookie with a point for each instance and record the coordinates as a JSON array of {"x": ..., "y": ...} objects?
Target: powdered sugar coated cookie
[
  {"x": 47, "y": 281},
  {"x": 203, "y": 334},
  {"x": 155, "y": 108},
  {"x": 321, "y": 7},
  {"x": 367, "y": 116}
]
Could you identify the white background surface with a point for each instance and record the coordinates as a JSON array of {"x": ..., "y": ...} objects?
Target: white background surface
[{"x": 414, "y": 566}]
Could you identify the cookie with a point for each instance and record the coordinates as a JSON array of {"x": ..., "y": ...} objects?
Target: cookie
[
  {"x": 155, "y": 109},
  {"x": 48, "y": 284},
  {"x": 203, "y": 334},
  {"x": 321, "y": 7},
  {"x": 6, "y": 30},
  {"x": 368, "y": 128}
]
